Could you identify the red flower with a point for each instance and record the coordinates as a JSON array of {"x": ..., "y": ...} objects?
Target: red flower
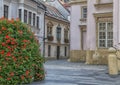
[
  {"x": 3, "y": 44},
  {"x": 12, "y": 74},
  {"x": 27, "y": 72},
  {"x": 14, "y": 58},
  {"x": 25, "y": 41},
  {"x": 8, "y": 54},
  {"x": 8, "y": 79},
  {"x": 7, "y": 41},
  {"x": 2, "y": 52},
  {"x": 12, "y": 42},
  {"x": 0, "y": 77},
  {"x": 22, "y": 77},
  {"x": 3, "y": 28},
  {"x": 9, "y": 47},
  {"x": 7, "y": 37},
  {"x": 20, "y": 32}
]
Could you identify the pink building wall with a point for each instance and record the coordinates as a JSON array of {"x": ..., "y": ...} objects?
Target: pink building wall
[
  {"x": 74, "y": 28},
  {"x": 75, "y": 33}
]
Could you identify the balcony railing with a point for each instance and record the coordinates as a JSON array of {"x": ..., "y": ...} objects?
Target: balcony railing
[
  {"x": 50, "y": 38},
  {"x": 66, "y": 40}
]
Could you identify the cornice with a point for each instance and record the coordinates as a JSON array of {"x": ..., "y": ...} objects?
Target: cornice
[
  {"x": 103, "y": 4},
  {"x": 77, "y": 2},
  {"x": 107, "y": 14},
  {"x": 57, "y": 20}
]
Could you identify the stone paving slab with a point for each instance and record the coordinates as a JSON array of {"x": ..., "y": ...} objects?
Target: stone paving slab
[{"x": 65, "y": 73}]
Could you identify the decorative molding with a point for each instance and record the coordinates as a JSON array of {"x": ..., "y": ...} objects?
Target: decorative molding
[
  {"x": 57, "y": 20},
  {"x": 107, "y": 14},
  {"x": 78, "y": 2},
  {"x": 103, "y": 4}
]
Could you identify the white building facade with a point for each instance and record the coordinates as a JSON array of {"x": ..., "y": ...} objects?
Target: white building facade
[
  {"x": 31, "y": 12},
  {"x": 57, "y": 34},
  {"x": 91, "y": 30}
]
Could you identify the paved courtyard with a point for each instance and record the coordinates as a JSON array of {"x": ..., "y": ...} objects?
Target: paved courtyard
[{"x": 62, "y": 72}]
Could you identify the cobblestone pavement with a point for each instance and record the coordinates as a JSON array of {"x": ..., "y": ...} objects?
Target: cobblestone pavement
[{"x": 62, "y": 72}]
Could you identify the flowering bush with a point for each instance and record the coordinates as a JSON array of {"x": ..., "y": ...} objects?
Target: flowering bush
[{"x": 20, "y": 59}]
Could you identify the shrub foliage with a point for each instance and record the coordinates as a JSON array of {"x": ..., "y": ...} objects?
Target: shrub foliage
[{"x": 20, "y": 59}]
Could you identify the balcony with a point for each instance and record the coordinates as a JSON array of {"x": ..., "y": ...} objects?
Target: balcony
[
  {"x": 66, "y": 40},
  {"x": 50, "y": 38}
]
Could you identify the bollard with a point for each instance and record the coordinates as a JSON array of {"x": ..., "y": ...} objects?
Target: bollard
[
  {"x": 112, "y": 62},
  {"x": 118, "y": 59}
]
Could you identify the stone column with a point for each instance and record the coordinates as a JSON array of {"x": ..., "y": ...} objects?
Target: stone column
[{"x": 112, "y": 62}]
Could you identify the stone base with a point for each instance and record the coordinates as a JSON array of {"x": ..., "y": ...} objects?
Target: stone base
[
  {"x": 102, "y": 59},
  {"x": 87, "y": 56},
  {"x": 77, "y": 55}
]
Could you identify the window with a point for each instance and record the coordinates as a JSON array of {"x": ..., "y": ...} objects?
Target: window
[
  {"x": 34, "y": 19},
  {"x": 105, "y": 34},
  {"x": 49, "y": 50},
  {"x": 84, "y": 12},
  {"x": 6, "y": 11},
  {"x": 38, "y": 22},
  {"x": 20, "y": 14},
  {"x": 29, "y": 19},
  {"x": 25, "y": 16},
  {"x": 58, "y": 33},
  {"x": 49, "y": 28},
  {"x": 65, "y": 34}
]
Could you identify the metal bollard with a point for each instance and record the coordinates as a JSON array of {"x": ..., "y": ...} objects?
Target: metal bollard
[{"x": 112, "y": 62}]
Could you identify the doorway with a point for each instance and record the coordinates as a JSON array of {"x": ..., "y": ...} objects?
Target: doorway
[{"x": 58, "y": 52}]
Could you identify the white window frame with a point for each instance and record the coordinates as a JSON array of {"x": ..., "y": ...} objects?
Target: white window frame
[
  {"x": 106, "y": 34},
  {"x": 84, "y": 7}
]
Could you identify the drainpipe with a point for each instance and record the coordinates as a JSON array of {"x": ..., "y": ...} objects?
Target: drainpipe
[{"x": 44, "y": 37}]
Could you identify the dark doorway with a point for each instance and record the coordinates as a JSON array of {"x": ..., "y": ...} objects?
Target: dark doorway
[{"x": 58, "y": 52}]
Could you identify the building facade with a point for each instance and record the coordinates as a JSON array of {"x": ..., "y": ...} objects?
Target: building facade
[
  {"x": 57, "y": 34},
  {"x": 91, "y": 30},
  {"x": 31, "y": 12}
]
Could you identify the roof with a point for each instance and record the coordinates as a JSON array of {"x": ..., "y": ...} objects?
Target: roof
[
  {"x": 53, "y": 12},
  {"x": 58, "y": 5},
  {"x": 40, "y": 4}
]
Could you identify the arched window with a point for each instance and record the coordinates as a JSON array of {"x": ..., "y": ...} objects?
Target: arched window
[
  {"x": 49, "y": 28},
  {"x": 66, "y": 35},
  {"x": 58, "y": 33}
]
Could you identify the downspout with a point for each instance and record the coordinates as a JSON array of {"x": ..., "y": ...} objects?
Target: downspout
[{"x": 44, "y": 37}]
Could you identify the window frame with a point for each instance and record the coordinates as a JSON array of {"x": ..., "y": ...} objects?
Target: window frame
[
  {"x": 37, "y": 24},
  {"x": 58, "y": 36},
  {"x": 20, "y": 14},
  {"x": 30, "y": 18},
  {"x": 34, "y": 18},
  {"x": 83, "y": 13},
  {"x": 25, "y": 16},
  {"x": 6, "y": 11},
  {"x": 106, "y": 34}
]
